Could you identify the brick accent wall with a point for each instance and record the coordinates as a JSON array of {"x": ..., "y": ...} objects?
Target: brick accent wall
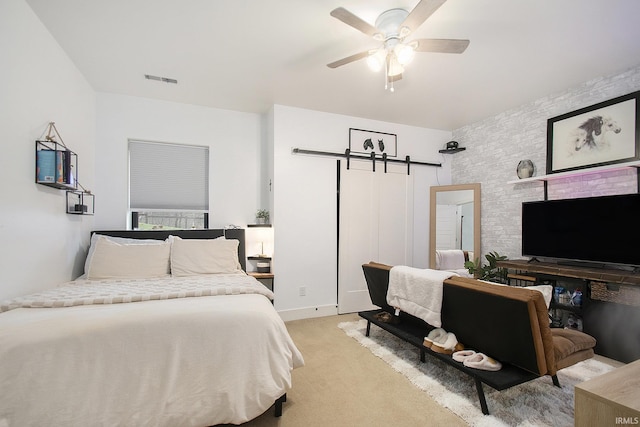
[{"x": 496, "y": 145}]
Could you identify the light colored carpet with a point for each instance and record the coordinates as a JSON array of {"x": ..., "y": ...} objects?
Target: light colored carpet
[
  {"x": 536, "y": 403},
  {"x": 343, "y": 385}
]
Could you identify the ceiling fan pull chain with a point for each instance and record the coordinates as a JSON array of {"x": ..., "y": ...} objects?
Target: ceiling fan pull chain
[{"x": 386, "y": 75}]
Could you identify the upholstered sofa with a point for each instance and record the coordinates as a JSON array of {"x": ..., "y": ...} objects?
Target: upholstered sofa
[{"x": 507, "y": 323}]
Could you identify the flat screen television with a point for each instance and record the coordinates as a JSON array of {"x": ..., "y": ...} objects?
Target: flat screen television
[{"x": 597, "y": 231}]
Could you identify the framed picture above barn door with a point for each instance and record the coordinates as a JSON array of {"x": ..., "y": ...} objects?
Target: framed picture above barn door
[{"x": 367, "y": 141}]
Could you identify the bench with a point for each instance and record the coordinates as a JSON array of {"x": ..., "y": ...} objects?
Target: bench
[{"x": 507, "y": 323}]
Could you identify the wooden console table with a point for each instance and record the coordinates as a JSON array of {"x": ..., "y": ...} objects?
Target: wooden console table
[
  {"x": 610, "y": 399},
  {"x": 610, "y": 304},
  {"x": 582, "y": 273}
]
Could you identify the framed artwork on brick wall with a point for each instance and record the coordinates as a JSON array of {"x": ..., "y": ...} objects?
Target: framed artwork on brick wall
[{"x": 602, "y": 134}]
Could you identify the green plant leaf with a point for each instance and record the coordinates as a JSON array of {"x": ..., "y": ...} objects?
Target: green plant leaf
[{"x": 490, "y": 271}]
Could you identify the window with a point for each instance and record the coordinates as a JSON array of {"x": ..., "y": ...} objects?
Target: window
[{"x": 168, "y": 185}]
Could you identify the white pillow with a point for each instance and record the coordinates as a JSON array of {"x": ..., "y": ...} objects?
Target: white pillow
[
  {"x": 112, "y": 260},
  {"x": 203, "y": 256},
  {"x": 545, "y": 290},
  {"x": 121, "y": 240}
]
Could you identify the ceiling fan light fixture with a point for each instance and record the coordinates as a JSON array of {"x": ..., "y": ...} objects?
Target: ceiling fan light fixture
[
  {"x": 391, "y": 29},
  {"x": 375, "y": 61},
  {"x": 394, "y": 68},
  {"x": 404, "y": 53}
]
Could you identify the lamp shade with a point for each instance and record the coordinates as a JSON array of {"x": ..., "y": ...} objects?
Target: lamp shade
[
  {"x": 394, "y": 68},
  {"x": 375, "y": 61},
  {"x": 404, "y": 53}
]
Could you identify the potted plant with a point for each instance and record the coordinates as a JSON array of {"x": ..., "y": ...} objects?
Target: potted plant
[
  {"x": 491, "y": 271},
  {"x": 262, "y": 216}
]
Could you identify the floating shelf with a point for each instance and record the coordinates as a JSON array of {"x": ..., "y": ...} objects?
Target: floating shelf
[
  {"x": 80, "y": 203},
  {"x": 560, "y": 175},
  {"x": 453, "y": 150},
  {"x": 259, "y": 225}
]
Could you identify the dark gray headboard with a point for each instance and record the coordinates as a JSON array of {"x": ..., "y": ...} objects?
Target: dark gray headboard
[{"x": 212, "y": 233}]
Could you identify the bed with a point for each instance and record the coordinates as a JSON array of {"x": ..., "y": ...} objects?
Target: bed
[{"x": 163, "y": 329}]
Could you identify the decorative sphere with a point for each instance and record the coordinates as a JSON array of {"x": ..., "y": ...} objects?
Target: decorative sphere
[{"x": 525, "y": 169}]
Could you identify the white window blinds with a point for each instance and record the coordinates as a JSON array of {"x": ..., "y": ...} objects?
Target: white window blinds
[{"x": 168, "y": 176}]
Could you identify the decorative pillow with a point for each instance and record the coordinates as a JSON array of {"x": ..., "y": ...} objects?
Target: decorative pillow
[
  {"x": 545, "y": 290},
  {"x": 121, "y": 240},
  {"x": 203, "y": 256},
  {"x": 112, "y": 260}
]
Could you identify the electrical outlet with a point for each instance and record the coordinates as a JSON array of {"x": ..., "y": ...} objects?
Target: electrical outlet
[{"x": 303, "y": 291}]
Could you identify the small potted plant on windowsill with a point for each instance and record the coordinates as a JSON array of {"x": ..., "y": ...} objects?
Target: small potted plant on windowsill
[{"x": 262, "y": 216}]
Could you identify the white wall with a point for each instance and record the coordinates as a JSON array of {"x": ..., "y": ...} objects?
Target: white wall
[
  {"x": 41, "y": 245},
  {"x": 496, "y": 145},
  {"x": 235, "y": 151},
  {"x": 305, "y": 201}
]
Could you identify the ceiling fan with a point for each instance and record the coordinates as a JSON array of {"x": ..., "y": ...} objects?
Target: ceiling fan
[{"x": 392, "y": 28}]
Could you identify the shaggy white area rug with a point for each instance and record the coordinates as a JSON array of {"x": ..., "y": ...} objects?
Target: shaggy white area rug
[{"x": 535, "y": 403}]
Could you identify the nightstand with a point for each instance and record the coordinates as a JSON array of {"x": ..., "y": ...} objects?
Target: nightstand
[{"x": 264, "y": 276}]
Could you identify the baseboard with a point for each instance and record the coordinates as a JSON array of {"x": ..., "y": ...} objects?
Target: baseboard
[{"x": 308, "y": 312}]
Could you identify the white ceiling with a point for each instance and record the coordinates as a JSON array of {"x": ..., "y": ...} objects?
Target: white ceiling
[{"x": 248, "y": 55}]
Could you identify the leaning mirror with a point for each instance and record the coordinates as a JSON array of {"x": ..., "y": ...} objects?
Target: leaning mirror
[{"x": 454, "y": 220}]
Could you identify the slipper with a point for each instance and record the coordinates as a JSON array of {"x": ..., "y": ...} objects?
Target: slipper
[
  {"x": 482, "y": 361},
  {"x": 385, "y": 317},
  {"x": 461, "y": 356},
  {"x": 447, "y": 344},
  {"x": 433, "y": 335}
]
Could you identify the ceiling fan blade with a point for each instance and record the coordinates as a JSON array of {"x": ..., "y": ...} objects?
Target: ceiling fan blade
[
  {"x": 348, "y": 59},
  {"x": 350, "y": 19},
  {"x": 420, "y": 13},
  {"x": 441, "y": 45},
  {"x": 394, "y": 78}
]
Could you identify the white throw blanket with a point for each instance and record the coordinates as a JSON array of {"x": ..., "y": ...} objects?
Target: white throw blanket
[
  {"x": 417, "y": 292},
  {"x": 118, "y": 291}
]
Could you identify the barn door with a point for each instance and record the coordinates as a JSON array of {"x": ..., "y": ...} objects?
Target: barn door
[{"x": 376, "y": 224}]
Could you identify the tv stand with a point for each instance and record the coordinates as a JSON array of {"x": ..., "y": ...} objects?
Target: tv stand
[
  {"x": 608, "y": 275},
  {"x": 610, "y": 302},
  {"x": 590, "y": 265}
]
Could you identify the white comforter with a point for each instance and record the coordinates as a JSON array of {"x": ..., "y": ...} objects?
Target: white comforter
[{"x": 191, "y": 361}]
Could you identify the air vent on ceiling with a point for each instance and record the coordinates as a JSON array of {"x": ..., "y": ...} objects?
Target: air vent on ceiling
[{"x": 160, "y": 79}]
